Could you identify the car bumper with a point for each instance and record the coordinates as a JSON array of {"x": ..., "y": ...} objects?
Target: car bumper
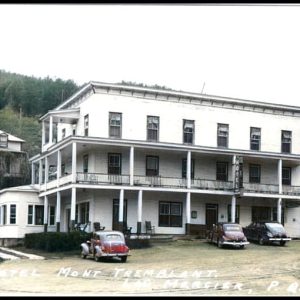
[
  {"x": 113, "y": 254},
  {"x": 235, "y": 243},
  {"x": 279, "y": 239}
]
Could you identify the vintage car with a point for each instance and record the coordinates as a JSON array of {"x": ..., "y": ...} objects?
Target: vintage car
[
  {"x": 266, "y": 232},
  {"x": 230, "y": 234},
  {"x": 106, "y": 244}
]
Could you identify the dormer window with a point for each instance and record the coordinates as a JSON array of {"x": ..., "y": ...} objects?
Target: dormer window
[{"x": 3, "y": 140}]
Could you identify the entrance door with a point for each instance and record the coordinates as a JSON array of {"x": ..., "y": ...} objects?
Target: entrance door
[
  {"x": 211, "y": 215},
  {"x": 115, "y": 220},
  {"x": 68, "y": 219}
]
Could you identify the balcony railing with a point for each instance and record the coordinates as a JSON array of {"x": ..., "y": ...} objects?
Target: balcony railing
[
  {"x": 98, "y": 178},
  {"x": 205, "y": 184},
  {"x": 172, "y": 182},
  {"x": 261, "y": 188},
  {"x": 290, "y": 190}
]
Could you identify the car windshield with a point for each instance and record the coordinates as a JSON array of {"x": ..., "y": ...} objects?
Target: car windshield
[
  {"x": 232, "y": 227},
  {"x": 113, "y": 237},
  {"x": 275, "y": 227}
]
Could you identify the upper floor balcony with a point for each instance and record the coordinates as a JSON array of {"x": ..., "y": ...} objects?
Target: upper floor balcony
[
  {"x": 117, "y": 163},
  {"x": 168, "y": 182}
]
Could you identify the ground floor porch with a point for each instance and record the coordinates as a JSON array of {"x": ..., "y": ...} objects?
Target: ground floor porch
[{"x": 168, "y": 212}]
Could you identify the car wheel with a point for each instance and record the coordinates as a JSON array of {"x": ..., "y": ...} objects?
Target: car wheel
[
  {"x": 124, "y": 259},
  {"x": 219, "y": 244},
  {"x": 261, "y": 241},
  {"x": 282, "y": 243},
  {"x": 242, "y": 247}
]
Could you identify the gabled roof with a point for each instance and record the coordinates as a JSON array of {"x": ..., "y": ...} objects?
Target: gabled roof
[{"x": 12, "y": 138}]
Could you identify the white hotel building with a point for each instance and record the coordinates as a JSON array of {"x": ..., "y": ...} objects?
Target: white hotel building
[{"x": 119, "y": 154}]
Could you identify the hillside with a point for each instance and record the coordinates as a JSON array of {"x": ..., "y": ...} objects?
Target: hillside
[{"x": 24, "y": 99}]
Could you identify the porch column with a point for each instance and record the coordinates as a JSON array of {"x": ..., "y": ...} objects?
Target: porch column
[
  {"x": 121, "y": 210},
  {"x": 233, "y": 209},
  {"x": 58, "y": 202},
  {"x": 51, "y": 130},
  {"x": 40, "y": 171},
  {"x": 233, "y": 172},
  {"x": 73, "y": 208},
  {"x": 43, "y": 133},
  {"x": 139, "y": 212},
  {"x": 74, "y": 163},
  {"x": 188, "y": 170},
  {"x": 280, "y": 176},
  {"x": 131, "y": 164},
  {"x": 279, "y": 190},
  {"x": 188, "y": 213},
  {"x": 45, "y": 213},
  {"x": 279, "y": 209},
  {"x": 58, "y": 168},
  {"x": 32, "y": 173},
  {"x": 46, "y": 171}
]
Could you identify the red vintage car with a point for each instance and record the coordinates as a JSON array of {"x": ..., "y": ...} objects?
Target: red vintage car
[
  {"x": 106, "y": 244},
  {"x": 230, "y": 234}
]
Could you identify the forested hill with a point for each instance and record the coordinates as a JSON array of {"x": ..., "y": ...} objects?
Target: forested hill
[
  {"x": 23, "y": 99},
  {"x": 33, "y": 96}
]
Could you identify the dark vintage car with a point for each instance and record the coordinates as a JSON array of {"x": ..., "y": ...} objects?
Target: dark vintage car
[
  {"x": 266, "y": 232},
  {"x": 230, "y": 234},
  {"x": 106, "y": 244}
]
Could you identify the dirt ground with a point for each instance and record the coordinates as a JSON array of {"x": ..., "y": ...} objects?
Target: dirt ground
[{"x": 183, "y": 267}]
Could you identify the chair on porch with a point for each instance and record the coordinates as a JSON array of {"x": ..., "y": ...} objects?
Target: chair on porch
[
  {"x": 97, "y": 226},
  {"x": 149, "y": 228},
  {"x": 126, "y": 229}
]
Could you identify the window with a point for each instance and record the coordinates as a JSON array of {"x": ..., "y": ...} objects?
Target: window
[
  {"x": 63, "y": 133},
  {"x": 254, "y": 173},
  {"x": 222, "y": 171},
  {"x": 170, "y": 214},
  {"x": 73, "y": 129},
  {"x": 188, "y": 131},
  {"x": 86, "y": 125},
  {"x": 30, "y": 215},
  {"x": 255, "y": 134},
  {"x": 76, "y": 214},
  {"x": 4, "y": 220},
  {"x": 223, "y": 131},
  {"x": 85, "y": 163},
  {"x": 84, "y": 212},
  {"x": 152, "y": 165},
  {"x": 152, "y": 128},
  {"x": 115, "y": 125},
  {"x": 51, "y": 215},
  {"x": 286, "y": 176},
  {"x": 3, "y": 140},
  {"x": 184, "y": 168},
  {"x": 12, "y": 217},
  {"x": 237, "y": 213},
  {"x": 39, "y": 215},
  {"x": 114, "y": 163},
  {"x": 286, "y": 140}
]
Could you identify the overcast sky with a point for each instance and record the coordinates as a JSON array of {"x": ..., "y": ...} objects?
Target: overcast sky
[{"x": 248, "y": 52}]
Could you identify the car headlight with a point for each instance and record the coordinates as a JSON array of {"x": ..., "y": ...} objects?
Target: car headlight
[{"x": 269, "y": 234}]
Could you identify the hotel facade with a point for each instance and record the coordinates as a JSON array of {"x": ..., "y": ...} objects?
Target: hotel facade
[{"x": 122, "y": 155}]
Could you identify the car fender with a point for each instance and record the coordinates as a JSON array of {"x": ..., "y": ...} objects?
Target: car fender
[
  {"x": 85, "y": 248},
  {"x": 98, "y": 250}
]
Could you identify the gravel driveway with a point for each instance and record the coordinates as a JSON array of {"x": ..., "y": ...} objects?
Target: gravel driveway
[{"x": 183, "y": 267}]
